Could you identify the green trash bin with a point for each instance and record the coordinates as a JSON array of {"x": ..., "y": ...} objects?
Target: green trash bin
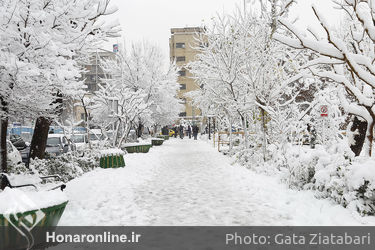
[
  {"x": 157, "y": 141},
  {"x": 112, "y": 158},
  {"x": 165, "y": 137},
  {"x": 137, "y": 147},
  {"x": 11, "y": 237}
]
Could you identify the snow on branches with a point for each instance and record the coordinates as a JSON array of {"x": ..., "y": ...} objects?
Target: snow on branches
[
  {"x": 246, "y": 75},
  {"x": 38, "y": 42},
  {"x": 139, "y": 90},
  {"x": 347, "y": 59}
]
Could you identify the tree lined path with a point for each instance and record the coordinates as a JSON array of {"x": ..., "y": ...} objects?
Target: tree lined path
[{"x": 187, "y": 182}]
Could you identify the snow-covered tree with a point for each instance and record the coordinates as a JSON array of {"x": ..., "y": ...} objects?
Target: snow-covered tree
[
  {"x": 144, "y": 90},
  {"x": 245, "y": 74},
  {"x": 38, "y": 42},
  {"x": 220, "y": 63},
  {"x": 346, "y": 59}
]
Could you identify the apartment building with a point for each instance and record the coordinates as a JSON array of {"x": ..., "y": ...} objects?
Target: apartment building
[
  {"x": 182, "y": 49},
  {"x": 92, "y": 76}
]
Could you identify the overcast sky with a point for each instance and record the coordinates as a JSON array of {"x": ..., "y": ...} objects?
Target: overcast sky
[{"x": 152, "y": 19}]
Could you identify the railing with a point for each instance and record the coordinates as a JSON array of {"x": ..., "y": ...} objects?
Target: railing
[{"x": 220, "y": 141}]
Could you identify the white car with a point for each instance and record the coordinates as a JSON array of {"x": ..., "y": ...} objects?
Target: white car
[
  {"x": 79, "y": 140},
  {"x": 14, "y": 156},
  {"x": 58, "y": 144},
  {"x": 95, "y": 136}
]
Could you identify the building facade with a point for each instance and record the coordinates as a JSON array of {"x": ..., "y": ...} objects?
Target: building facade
[
  {"x": 182, "y": 46},
  {"x": 93, "y": 75}
]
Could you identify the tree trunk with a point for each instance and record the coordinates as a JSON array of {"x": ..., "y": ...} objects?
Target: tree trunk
[
  {"x": 87, "y": 125},
  {"x": 3, "y": 149},
  {"x": 40, "y": 136},
  {"x": 230, "y": 134},
  {"x": 359, "y": 138},
  {"x": 370, "y": 136},
  {"x": 244, "y": 125},
  {"x": 209, "y": 128},
  {"x": 39, "y": 140},
  {"x": 263, "y": 113}
]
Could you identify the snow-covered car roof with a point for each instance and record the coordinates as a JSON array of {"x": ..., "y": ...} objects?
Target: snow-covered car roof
[
  {"x": 96, "y": 131},
  {"x": 55, "y": 135}
]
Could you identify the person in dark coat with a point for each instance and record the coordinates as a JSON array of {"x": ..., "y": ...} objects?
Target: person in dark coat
[
  {"x": 165, "y": 131},
  {"x": 181, "y": 131},
  {"x": 175, "y": 131},
  {"x": 189, "y": 131},
  {"x": 195, "y": 131}
]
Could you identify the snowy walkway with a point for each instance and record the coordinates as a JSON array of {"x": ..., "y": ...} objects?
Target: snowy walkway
[{"x": 186, "y": 182}]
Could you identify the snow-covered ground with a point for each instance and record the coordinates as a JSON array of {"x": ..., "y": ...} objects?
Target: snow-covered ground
[{"x": 187, "y": 182}]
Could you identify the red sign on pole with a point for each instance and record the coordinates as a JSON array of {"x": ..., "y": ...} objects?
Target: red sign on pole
[{"x": 324, "y": 111}]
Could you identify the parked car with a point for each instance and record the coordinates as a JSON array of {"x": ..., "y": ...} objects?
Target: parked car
[
  {"x": 56, "y": 130},
  {"x": 17, "y": 141},
  {"x": 79, "y": 130},
  {"x": 171, "y": 133},
  {"x": 79, "y": 140},
  {"x": 21, "y": 146},
  {"x": 58, "y": 144},
  {"x": 14, "y": 156},
  {"x": 96, "y": 136}
]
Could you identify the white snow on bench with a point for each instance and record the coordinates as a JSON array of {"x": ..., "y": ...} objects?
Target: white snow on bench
[{"x": 20, "y": 200}]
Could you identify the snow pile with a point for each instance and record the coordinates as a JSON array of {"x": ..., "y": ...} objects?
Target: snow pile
[
  {"x": 111, "y": 151},
  {"x": 20, "y": 179},
  {"x": 17, "y": 200}
]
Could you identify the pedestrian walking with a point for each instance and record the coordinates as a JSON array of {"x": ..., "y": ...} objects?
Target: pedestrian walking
[
  {"x": 195, "y": 132},
  {"x": 181, "y": 131},
  {"x": 175, "y": 131},
  {"x": 164, "y": 130},
  {"x": 189, "y": 131}
]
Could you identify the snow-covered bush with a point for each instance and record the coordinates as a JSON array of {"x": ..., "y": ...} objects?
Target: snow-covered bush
[
  {"x": 17, "y": 169},
  {"x": 68, "y": 166},
  {"x": 333, "y": 172}
]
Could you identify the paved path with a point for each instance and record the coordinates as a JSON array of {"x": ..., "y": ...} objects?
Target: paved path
[{"x": 186, "y": 182}]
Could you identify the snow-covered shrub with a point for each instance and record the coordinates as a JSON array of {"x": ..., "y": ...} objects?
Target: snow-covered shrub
[
  {"x": 333, "y": 173},
  {"x": 68, "y": 166},
  {"x": 360, "y": 180},
  {"x": 17, "y": 169}
]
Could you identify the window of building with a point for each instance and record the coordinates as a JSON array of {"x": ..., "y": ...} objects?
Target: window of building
[
  {"x": 182, "y": 86},
  {"x": 180, "y": 59},
  {"x": 83, "y": 116},
  {"x": 180, "y": 45},
  {"x": 202, "y": 45},
  {"x": 183, "y": 114},
  {"x": 182, "y": 72},
  {"x": 91, "y": 78},
  {"x": 91, "y": 87}
]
